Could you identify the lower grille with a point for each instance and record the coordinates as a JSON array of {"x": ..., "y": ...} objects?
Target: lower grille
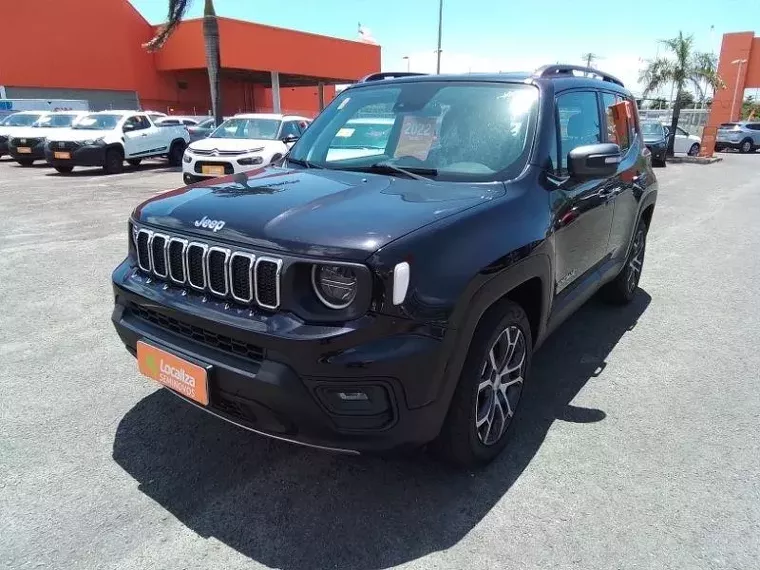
[
  {"x": 63, "y": 145},
  {"x": 192, "y": 332}
]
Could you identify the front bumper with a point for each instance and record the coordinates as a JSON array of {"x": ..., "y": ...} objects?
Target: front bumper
[
  {"x": 658, "y": 151},
  {"x": 37, "y": 152},
  {"x": 277, "y": 376},
  {"x": 94, "y": 155},
  {"x": 3, "y": 146},
  {"x": 203, "y": 167}
]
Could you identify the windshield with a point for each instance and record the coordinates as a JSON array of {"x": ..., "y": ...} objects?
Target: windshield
[
  {"x": 55, "y": 121},
  {"x": 207, "y": 124},
  {"x": 21, "y": 120},
  {"x": 240, "y": 128},
  {"x": 98, "y": 122},
  {"x": 652, "y": 129},
  {"x": 453, "y": 131}
]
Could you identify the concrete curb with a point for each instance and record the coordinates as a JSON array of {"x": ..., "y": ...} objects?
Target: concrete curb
[{"x": 695, "y": 159}]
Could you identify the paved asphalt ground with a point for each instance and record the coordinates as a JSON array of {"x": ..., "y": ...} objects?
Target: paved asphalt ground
[{"x": 638, "y": 443}]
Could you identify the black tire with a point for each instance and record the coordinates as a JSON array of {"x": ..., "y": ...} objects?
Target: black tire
[
  {"x": 694, "y": 150},
  {"x": 718, "y": 148},
  {"x": 746, "y": 146},
  {"x": 134, "y": 162},
  {"x": 64, "y": 169},
  {"x": 622, "y": 290},
  {"x": 26, "y": 161},
  {"x": 114, "y": 161},
  {"x": 480, "y": 395},
  {"x": 175, "y": 153},
  {"x": 189, "y": 178}
]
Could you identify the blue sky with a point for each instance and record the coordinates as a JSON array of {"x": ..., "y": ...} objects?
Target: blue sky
[{"x": 497, "y": 34}]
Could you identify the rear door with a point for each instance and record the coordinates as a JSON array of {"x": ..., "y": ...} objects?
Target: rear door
[
  {"x": 754, "y": 128},
  {"x": 582, "y": 212},
  {"x": 682, "y": 142},
  {"x": 155, "y": 139}
]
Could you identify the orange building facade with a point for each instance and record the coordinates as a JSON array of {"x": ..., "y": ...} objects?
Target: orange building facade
[
  {"x": 97, "y": 45},
  {"x": 739, "y": 67}
]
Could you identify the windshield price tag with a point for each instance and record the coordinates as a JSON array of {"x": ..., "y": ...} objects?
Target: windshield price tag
[{"x": 417, "y": 136}]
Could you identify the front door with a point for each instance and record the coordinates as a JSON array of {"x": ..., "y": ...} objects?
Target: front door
[
  {"x": 582, "y": 211},
  {"x": 135, "y": 136}
]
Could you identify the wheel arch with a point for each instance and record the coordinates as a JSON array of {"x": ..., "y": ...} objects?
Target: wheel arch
[{"x": 527, "y": 283}]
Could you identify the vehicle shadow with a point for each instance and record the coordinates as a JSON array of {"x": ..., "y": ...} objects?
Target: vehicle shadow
[{"x": 299, "y": 509}]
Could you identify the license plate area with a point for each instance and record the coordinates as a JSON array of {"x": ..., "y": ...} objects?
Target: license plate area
[
  {"x": 212, "y": 170},
  {"x": 62, "y": 155},
  {"x": 176, "y": 373},
  {"x": 24, "y": 150}
]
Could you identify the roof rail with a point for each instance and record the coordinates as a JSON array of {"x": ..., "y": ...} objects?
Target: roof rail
[
  {"x": 388, "y": 75},
  {"x": 566, "y": 69}
]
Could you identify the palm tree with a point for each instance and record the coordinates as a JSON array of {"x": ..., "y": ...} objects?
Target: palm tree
[
  {"x": 684, "y": 68},
  {"x": 177, "y": 11}
]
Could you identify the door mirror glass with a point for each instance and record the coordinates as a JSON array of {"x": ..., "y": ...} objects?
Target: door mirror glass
[
  {"x": 290, "y": 138},
  {"x": 128, "y": 127},
  {"x": 593, "y": 161}
]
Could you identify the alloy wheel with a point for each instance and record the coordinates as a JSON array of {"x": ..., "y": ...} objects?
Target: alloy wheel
[
  {"x": 500, "y": 386},
  {"x": 746, "y": 146},
  {"x": 635, "y": 262}
]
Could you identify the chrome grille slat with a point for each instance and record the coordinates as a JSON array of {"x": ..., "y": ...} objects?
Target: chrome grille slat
[
  {"x": 177, "y": 274},
  {"x": 238, "y": 275},
  {"x": 215, "y": 271},
  {"x": 142, "y": 244},
  {"x": 193, "y": 264},
  {"x": 267, "y": 282},
  {"x": 158, "y": 261}
]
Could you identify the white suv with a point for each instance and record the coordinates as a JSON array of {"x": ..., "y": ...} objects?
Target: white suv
[{"x": 240, "y": 143}]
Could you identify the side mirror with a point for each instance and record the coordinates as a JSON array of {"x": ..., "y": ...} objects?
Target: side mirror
[
  {"x": 128, "y": 127},
  {"x": 289, "y": 139},
  {"x": 593, "y": 161}
]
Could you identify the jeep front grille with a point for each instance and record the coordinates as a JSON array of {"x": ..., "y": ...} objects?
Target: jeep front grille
[{"x": 222, "y": 272}]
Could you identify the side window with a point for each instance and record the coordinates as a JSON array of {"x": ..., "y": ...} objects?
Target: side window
[
  {"x": 134, "y": 121},
  {"x": 620, "y": 126},
  {"x": 753, "y": 126},
  {"x": 578, "y": 115},
  {"x": 680, "y": 131},
  {"x": 290, "y": 128}
]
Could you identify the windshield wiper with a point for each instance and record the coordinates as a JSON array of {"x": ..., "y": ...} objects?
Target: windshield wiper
[
  {"x": 417, "y": 173},
  {"x": 304, "y": 163}
]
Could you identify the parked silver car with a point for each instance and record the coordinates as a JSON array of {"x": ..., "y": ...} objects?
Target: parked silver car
[{"x": 743, "y": 136}]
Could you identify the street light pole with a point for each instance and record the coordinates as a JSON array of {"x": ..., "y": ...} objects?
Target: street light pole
[
  {"x": 408, "y": 63},
  {"x": 738, "y": 62},
  {"x": 440, "y": 28}
]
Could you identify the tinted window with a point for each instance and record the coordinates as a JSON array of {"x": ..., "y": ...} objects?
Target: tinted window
[
  {"x": 21, "y": 120},
  {"x": 97, "y": 122},
  {"x": 578, "y": 115},
  {"x": 652, "y": 130},
  {"x": 189, "y": 122},
  {"x": 619, "y": 120},
  {"x": 463, "y": 131},
  {"x": 56, "y": 121},
  {"x": 753, "y": 126},
  {"x": 290, "y": 128}
]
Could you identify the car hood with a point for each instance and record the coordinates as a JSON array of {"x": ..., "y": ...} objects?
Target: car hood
[
  {"x": 37, "y": 132},
  {"x": 79, "y": 134},
  {"x": 13, "y": 131},
  {"x": 233, "y": 144},
  {"x": 329, "y": 213}
]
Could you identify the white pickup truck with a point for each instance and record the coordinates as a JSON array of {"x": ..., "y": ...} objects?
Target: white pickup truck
[{"x": 108, "y": 138}]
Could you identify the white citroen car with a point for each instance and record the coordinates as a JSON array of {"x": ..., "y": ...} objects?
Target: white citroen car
[{"x": 240, "y": 143}]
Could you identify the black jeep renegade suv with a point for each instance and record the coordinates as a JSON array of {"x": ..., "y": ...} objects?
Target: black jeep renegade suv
[{"x": 389, "y": 289}]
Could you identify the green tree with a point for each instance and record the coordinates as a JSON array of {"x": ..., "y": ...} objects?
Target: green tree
[
  {"x": 177, "y": 11},
  {"x": 683, "y": 68}
]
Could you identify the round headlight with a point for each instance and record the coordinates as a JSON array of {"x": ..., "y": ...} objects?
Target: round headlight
[{"x": 334, "y": 285}]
